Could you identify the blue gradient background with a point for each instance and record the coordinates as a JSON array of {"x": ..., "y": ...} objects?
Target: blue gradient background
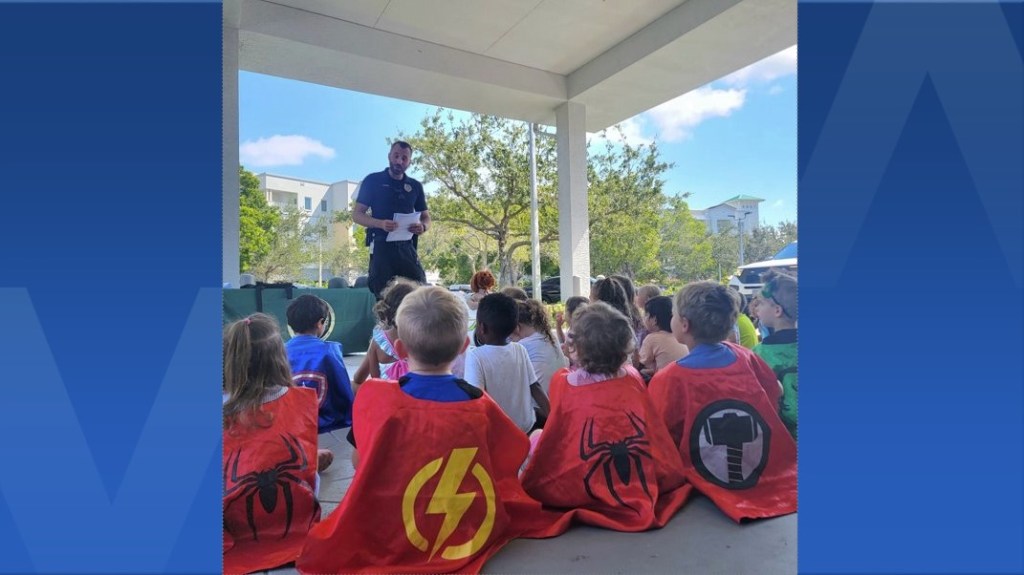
[
  {"x": 110, "y": 163},
  {"x": 911, "y": 194},
  {"x": 911, "y": 189}
]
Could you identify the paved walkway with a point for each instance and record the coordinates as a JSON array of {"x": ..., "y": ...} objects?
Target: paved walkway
[{"x": 699, "y": 539}]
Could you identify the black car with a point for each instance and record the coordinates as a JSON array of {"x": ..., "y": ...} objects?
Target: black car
[{"x": 550, "y": 289}]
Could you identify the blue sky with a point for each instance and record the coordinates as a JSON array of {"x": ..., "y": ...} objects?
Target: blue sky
[{"x": 736, "y": 135}]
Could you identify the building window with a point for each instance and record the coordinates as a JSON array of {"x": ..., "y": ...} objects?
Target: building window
[
  {"x": 308, "y": 203},
  {"x": 323, "y": 205}
]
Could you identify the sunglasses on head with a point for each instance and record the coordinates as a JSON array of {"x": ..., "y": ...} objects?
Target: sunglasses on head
[{"x": 768, "y": 293}]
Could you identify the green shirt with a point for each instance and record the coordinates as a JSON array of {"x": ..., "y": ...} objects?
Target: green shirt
[{"x": 779, "y": 351}]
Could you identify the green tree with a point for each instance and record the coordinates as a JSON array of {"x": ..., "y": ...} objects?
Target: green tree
[
  {"x": 788, "y": 231},
  {"x": 319, "y": 235},
  {"x": 457, "y": 254},
  {"x": 686, "y": 251},
  {"x": 725, "y": 251},
  {"x": 289, "y": 249},
  {"x": 765, "y": 241},
  {"x": 624, "y": 201},
  {"x": 346, "y": 256},
  {"x": 258, "y": 222},
  {"x": 481, "y": 167}
]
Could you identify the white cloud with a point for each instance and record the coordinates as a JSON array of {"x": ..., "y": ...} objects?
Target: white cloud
[
  {"x": 630, "y": 131},
  {"x": 282, "y": 151},
  {"x": 778, "y": 203},
  {"x": 771, "y": 68},
  {"x": 676, "y": 119}
]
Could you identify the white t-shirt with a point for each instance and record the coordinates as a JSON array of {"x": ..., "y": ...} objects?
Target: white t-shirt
[
  {"x": 469, "y": 311},
  {"x": 505, "y": 373},
  {"x": 545, "y": 357}
]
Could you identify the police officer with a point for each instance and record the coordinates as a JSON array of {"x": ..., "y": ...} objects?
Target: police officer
[{"x": 384, "y": 194}]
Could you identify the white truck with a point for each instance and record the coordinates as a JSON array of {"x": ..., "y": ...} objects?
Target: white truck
[{"x": 747, "y": 279}]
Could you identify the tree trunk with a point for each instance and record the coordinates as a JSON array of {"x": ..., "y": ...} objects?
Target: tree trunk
[{"x": 505, "y": 271}]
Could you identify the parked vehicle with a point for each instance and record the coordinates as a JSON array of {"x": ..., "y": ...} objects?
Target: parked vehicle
[
  {"x": 551, "y": 289},
  {"x": 747, "y": 279}
]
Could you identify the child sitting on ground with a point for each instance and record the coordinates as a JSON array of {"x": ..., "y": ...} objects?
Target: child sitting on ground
[
  {"x": 777, "y": 309},
  {"x": 435, "y": 490},
  {"x": 643, "y": 295},
  {"x": 381, "y": 359},
  {"x": 660, "y": 347},
  {"x": 636, "y": 315},
  {"x": 317, "y": 364},
  {"x": 565, "y": 318},
  {"x": 516, "y": 293},
  {"x": 269, "y": 431},
  {"x": 745, "y": 330},
  {"x": 720, "y": 406},
  {"x": 502, "y": 368},
  {"x": 572, "y": 305},
  {"x": 480, "y": 285},
  {"x": 534, "y": 333},
  {"x": 605, "y": 450},
  {"x": 612, "y": 292}
]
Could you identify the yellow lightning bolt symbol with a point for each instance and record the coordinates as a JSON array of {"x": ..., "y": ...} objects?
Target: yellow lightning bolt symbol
[{"x": 446, "y": 499}]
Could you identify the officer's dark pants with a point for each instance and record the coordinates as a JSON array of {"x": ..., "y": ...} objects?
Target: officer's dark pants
[{"x": 392, "y": 259}]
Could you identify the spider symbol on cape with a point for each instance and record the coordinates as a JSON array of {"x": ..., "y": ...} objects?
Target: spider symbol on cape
[
  {"x": 618, "y": 454},
  {"x": 266, "y": 481}
]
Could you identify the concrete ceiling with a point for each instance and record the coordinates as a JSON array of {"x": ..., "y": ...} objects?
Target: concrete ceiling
[{"x": 514, "y": 58}]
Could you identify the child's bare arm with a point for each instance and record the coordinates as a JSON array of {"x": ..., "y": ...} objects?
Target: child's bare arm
[
  {"x": 369, "y": 368},
  {"x": 647, "y": 359},
  {"x": 378, "y": 357},
  {"x": 543, "y": 405},
  {"x": 362, "y": 373}
]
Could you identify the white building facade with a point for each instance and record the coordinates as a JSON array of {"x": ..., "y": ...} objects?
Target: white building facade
[
  {"x": 318, "y": 202},
  {"x": 737, "y": 213},
  {"x": 315, "y": 199}
]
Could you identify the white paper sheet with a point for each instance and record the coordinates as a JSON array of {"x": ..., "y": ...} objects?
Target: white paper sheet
[{"x": 402, "y": 232}]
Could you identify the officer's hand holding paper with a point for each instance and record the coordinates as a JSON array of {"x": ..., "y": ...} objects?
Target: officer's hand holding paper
[{"x": 402, "y": 233}]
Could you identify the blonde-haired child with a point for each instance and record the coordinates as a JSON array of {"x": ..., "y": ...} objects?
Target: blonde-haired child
[{"x": 414, "y": 438}]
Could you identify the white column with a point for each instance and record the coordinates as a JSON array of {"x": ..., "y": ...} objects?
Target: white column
[
  {"x": 573, "y": 215},
  {"x": 231, "y": 192},
  {"x": 534, "y": 217}
]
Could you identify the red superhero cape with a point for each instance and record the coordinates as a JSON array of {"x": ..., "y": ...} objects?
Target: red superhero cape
[
  {"x": 269, "y": 478},
  {"x": 606, "y": 453},
  {"x": 735, "y": 449},
  {"x": 436, "y": 490}
]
